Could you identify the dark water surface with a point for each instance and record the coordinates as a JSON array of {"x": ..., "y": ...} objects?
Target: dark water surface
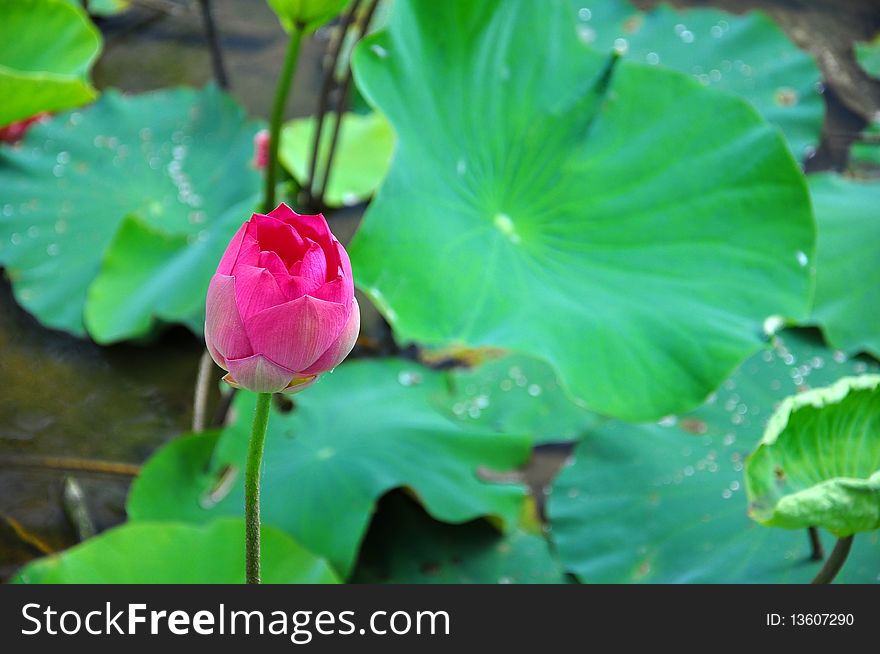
[{"x": 66, "y": 397}]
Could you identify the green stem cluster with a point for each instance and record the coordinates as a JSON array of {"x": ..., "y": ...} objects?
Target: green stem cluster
[{"x": 288, "y": 71}]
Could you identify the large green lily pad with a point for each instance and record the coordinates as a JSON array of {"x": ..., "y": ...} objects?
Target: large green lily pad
[
  {"x": 818, "y": 464},
  {"x": 630, "y": 226},
  {"x": 665, "y": 503},
  {"x": 118, "y": 214},
  {"x": 748, "y": 55},
  {"x": 518, "y": 394},
  {"x": 847, "y": 303},
  {"x": 367, "y": 428},
  {"x": 405, "y": 546},
  {"x": 360, "y": 162},
  {"x": 46, "y": 50},
  {"x": 168, "y": 553}
]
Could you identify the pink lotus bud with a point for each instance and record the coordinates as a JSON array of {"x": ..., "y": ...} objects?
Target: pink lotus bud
[
  {"x": 281, "y": 308},
  {"x": 261, "y": 149},
  {"x": 15, "y": 131}
]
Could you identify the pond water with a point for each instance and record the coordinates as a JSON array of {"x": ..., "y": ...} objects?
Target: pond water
[{"x": 67, "y": 397}]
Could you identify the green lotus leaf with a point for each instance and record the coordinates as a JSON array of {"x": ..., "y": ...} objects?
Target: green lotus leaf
[
  {"x": 818, "y": 464},
  {"x": 868, "y": 56},
  {"x": 658, "y": 222},
  {"x": 361, "y": 160},
  {"x": 665, "y": 502},
  {"x": 518, "y": 394},
  {"x": 748, "y": 55},
  {"x": 168, "y": 553},
  {"x": 117, "y": 215},
  {"x": 46, "y": 50},
  {"x": 847, "y": 301},
  {"x": 369, "y": 427}
]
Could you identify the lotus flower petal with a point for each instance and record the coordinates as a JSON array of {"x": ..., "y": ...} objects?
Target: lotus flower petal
[
  {"x": 335, "y": 291},
  {"x": 273, "y": 263},
  {"x": 231, "y": 255},
  {"x": 298, "y": 384},
  {"x": 224, "y": 329},
  {"x": 296, "y": 333},
  {"x": 340, "y": 348},
  {"x": 295, "y": 286},
  {"x": 278, "y": 236},
  {"x": 313, "y": 265},
  {"x": 345, "y": 272},
  {"x": 255, "y": 290},
  {"x": 310, "y": 226},
  {"x": 257, "y": 373}
]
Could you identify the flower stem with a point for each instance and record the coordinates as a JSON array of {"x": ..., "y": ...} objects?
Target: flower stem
[
  {"x": 203, "y": 387},
  {"x": 817, "y": 552},
  {"x": 220, "y": 75},
  {"x": 835, "y": 561},
  {"x": 288, "y": 71},
  {"x": 252, "y": 489}
]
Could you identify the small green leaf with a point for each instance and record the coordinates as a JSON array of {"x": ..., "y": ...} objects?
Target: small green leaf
[
  {"x": 747, "y": 54},
  {"x": 147, "y": 275},
  {"x": 369, "y": 427},
  {"x": 659, "y": 223},
  {"x": 311, "y": 14},
  {"x": 868, "y": 56},
  {"x": 46, "y": 50},
  {"x": 104, "y": 7},
  {"x": 168, "y": 553},
  {"x": 405, "y": 546},
  {"x": 818, "y": 464},
  {"x": 132, "y": 260},
  {"x": 361, "y": 160},
  {"x": 847, "y": 302},
  {"x": 665, "y": 503},
  {"x": 129, "y": 203}
]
